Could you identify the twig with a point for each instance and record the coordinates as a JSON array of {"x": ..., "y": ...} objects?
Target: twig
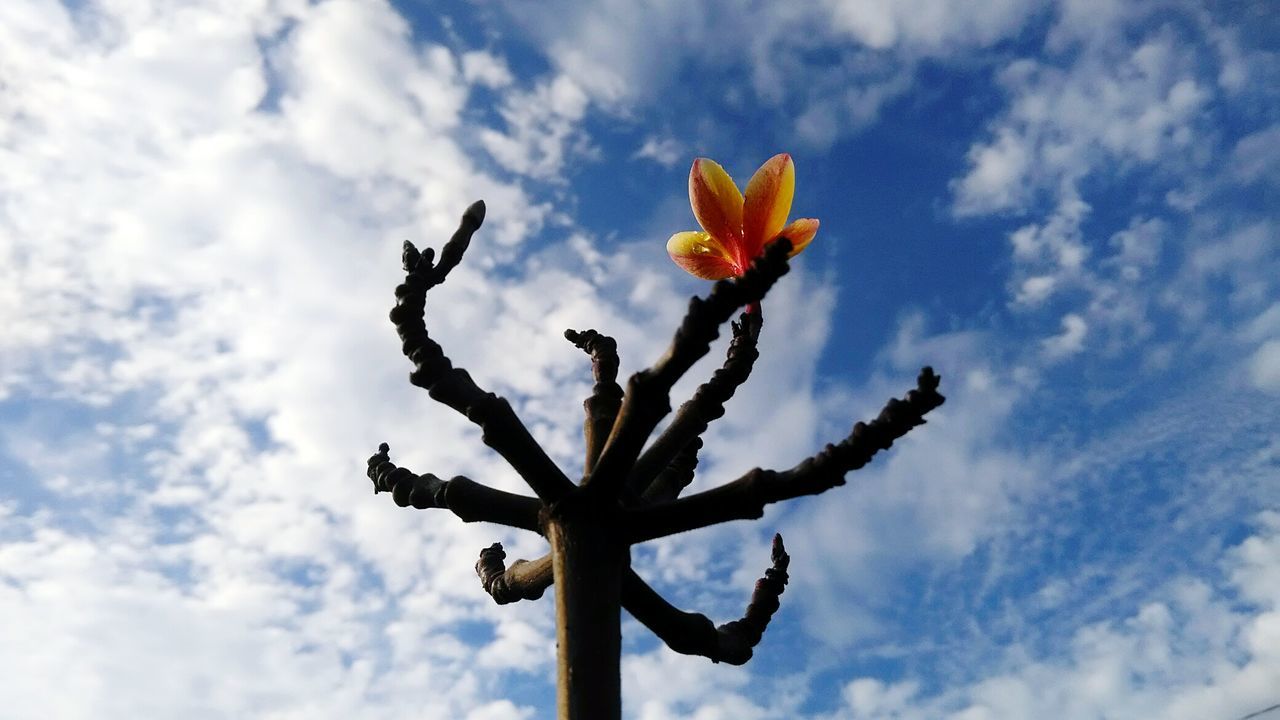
[
  {"x": 524, "y": 580},
  {"x": 707, "y": 404},
  {"x": 502, "y": 430},
  {"x": 746, "y": 497},
  {"x": 606, "y": 396},
  {"x": 647, "y": 399},
  {"x": 675, "y": 478},
  {"x": 469, "y": 500},
  {"x": 693, "y": 633}
]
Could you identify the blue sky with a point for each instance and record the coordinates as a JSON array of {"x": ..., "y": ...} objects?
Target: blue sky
[{"x": 1067, "y": 207}]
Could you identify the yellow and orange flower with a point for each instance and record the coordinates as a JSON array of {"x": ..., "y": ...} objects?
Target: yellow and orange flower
[{"x": 735, "y": 230}]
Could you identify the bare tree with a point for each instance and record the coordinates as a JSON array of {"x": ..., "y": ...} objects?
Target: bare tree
[{"x": 628, "y": 493}]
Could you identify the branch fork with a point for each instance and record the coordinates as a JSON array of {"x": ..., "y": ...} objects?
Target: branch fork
[{"x": 628, "y": 493}]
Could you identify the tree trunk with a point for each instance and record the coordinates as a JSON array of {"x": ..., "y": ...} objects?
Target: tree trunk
[{"x": 588, "y": 563}]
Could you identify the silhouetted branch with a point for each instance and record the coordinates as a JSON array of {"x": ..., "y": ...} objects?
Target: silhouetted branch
[
  {"x": 465, "y": 498},
  {"x": 502, "y": 430},
  {"x": 647, "y": 398},
  {"x": 676, "y": 477},
  {"x": 695, "y": 634},
  {"x": 627, "y": 497},
  {"x": 606, "y": 395},
  {"x": 707, "y": 404},
  {"x": 746, "y": 497},
  {"x": 524, "y": 580},
  {"x": 530, "y": 576},
  {"x": 528, "y": 579}
]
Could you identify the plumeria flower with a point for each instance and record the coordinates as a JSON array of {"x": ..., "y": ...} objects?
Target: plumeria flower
[{"x": 735, "y": 230}]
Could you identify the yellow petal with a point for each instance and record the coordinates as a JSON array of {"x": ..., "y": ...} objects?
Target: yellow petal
[
  {"x": 800, "y": 232},
  {"x": 768, "y": 202},
  {"x": 716, "y": 202},
  {"x": 702, "y": 255}
]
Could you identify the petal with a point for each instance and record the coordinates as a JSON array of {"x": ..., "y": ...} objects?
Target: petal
[
  {"x": 702, "y": 255},
  {"x": 800, "y": 232},
  {"x": 716, "y": 202},
  {"x": 768, "y": 202}
]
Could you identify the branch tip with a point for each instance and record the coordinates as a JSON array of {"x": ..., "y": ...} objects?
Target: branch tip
[
  {"x": 467, "y": 499},
  {"x": 524, "y": 580},
  {"x": 694, "y": 634},
  {"x": 746, "y": 497},
  {"x": 606, "y": 396},
  {"x": 475, "y": 214},
  {"x": 778, "y": 553},
  {"x": 452, "y": 386}
]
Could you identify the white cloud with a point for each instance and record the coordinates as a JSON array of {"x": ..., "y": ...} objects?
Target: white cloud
[
  {"x": 928, "y": 24},
  {"x": 500, "y": 710},
  {"x": 354, "y": 75},
  {"x": 1049, "y": 256},
  {"x": 667, "y": 152},
  {"x": 1265, "y": 325},
  {"x": 868, "y": 697},
  {"x": 856, "y": 56},
  {"x": 678, "y": 687},
  {"x": 1189, "y": 652},
  {"x": 928, "y": 502},
  {"x": 200, "y": 237},
  {"x": 1089, "y": 21},
  {"x": 486, "y": 69},
  {"x": 995, "y": 179},
  {"x": 616, "y": 68},
  {"x": 219, "y": 272},
  {"x": 1230, "y": 252},
  {"x": 1244, "y": 247},
  {"x": 1264, "y": 366},
  {"x": 622, "y": 67},
  {"x": 1256, "y": 157},
  {"x": 1262, "y": 333},
  {"x": 1119, "y": 110},
  {"x": 541, "y": 130},
  {"x": 1069, "y": 342},
  {"x": 1130, "y": 106},
  {"x": 856, "y": 104},
  {"x": 1035, "y": 290},
  {"x": 1137, "y": 247}
]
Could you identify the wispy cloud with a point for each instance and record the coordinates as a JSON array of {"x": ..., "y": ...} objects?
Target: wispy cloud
[
  {"x": 1188, "y": 652},
  {"x": 667, "y": 152}
]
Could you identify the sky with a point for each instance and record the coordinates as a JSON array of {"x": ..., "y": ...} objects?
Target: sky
[{"x": 1066, "y": 207}]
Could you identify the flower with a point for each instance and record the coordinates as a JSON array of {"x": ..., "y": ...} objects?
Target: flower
[{"x": 735, "y": 230}]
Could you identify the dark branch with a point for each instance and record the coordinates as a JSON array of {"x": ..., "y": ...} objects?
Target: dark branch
[
  {"x": 746, "y": 497},
  {"x": 465, "y": 498},
  {"x": 524, "y": 580},
  {"x": 529, "y": 578},
  {"x": 675, "y": 478},
  {"x": 693, "y": 633},
  {"x": 647, "y": 399},
  {"x": 606, "y": 396},
  {"x": 707, "y": 404},
  {"x": 502, "y": 430}
]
